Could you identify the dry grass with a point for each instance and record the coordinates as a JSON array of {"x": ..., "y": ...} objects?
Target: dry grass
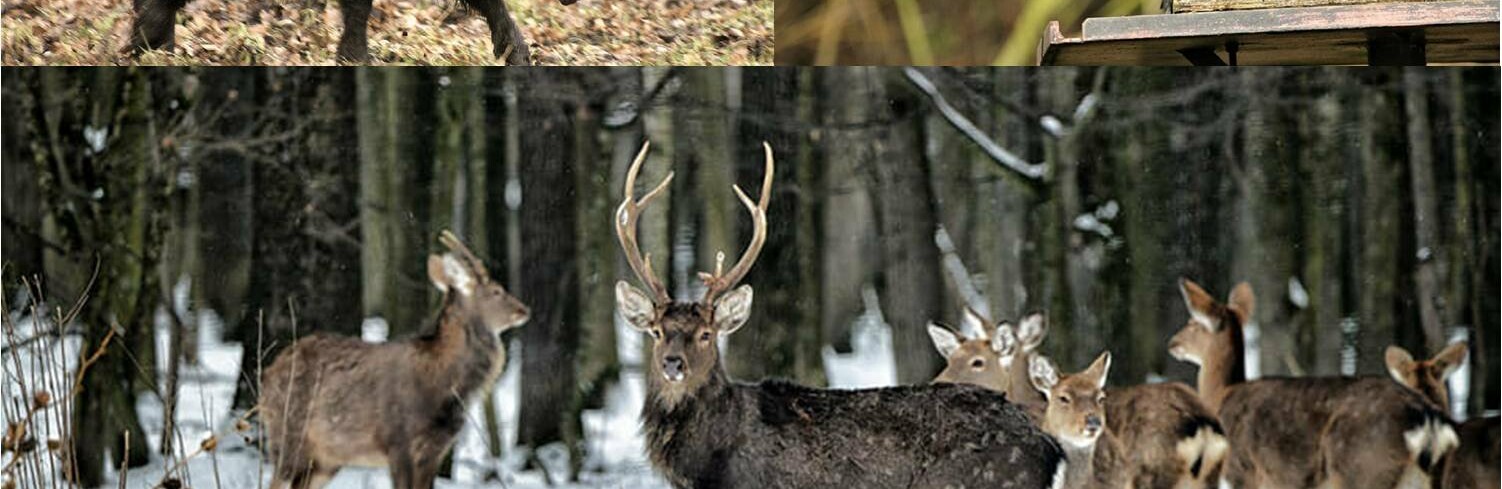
[{"x": 426, "y": 32}]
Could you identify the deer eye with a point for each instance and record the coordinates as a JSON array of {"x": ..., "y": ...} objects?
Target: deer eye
[
  {"x": 978, "y": 363},
  {"x": 705, "y": 336},
  {"x": 1100, "y": 398},
  {"x": 1064, "y": 399},
  {"x": 656, "y": 333}
]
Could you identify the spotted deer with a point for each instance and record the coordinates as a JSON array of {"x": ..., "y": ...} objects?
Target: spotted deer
[
  {"x": 1474, "y": 464},
  {"x": 1174, "y": 441},
  {"x": 978, "y": 358},
  {"x": 1329, "y": 432},
  {"x": 704, "y": 429},
  {"x": 332, "y": 401},
  {"x": 1076, "y": 417}
]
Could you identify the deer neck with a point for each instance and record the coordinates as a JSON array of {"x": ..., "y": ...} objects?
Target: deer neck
[
  {"x": 465, "y": 349},
  {"x": 1080, "y": 464},
  {"x": 1224, "y": 366}
]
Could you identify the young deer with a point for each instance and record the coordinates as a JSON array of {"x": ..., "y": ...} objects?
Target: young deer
[
  {"x": 1342, "y": 432},
  {"x": 331, "y": 401},
  {"x": 1076, "y": 416},
  {"x": 705, "y": 430},
  {"x": 982, "y": 360},
  {"x": 1474, "y": 462},
  {"x": 1175, "y": 442},
  {"x": 155, "y": 20}
]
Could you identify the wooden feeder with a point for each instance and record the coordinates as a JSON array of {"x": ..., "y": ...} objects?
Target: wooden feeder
[{"x": 1284, "y": 32}]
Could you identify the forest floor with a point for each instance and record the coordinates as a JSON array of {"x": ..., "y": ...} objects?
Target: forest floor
[
  {"x": 614, "y": 446},
  {"x": 422, "y": 32}
]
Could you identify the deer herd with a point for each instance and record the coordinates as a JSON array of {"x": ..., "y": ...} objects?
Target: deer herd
[{"x": 1000, "y": 414}]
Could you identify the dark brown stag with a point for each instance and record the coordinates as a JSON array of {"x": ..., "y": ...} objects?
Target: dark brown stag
[
  {"x": 332, "y": 401},
  {"x": 705, "y": 430}
]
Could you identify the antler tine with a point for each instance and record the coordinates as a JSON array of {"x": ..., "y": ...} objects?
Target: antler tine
[
  {"x": 625, "y": 226},
  {"x": 716, "y": 282}
]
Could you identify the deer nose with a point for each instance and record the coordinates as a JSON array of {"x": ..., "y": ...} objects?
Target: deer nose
[
  {"x": 1093, "y": 422},
  {"x": 672, "y": 368}
]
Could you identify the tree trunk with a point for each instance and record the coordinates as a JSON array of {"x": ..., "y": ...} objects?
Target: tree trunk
[
  {"x": 549, "y": 271},
  {"x": 1428, "y": 270},
  {"x": 304, "y": 254},
  {"x": 848, "y": 225},
  {"x": 785, "y": 341},
  {"x": 911, "y": 289},
  {"x": 1379, "y": 220},
  {"x": 109, "y": 190}
]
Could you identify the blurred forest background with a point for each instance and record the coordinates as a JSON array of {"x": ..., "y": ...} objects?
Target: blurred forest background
[
  {"x": 930, "y": 32},
  {"x": 1361, "y": 205}
]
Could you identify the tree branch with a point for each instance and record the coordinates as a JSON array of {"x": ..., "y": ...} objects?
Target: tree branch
[{"x": 1008, "y": 161}]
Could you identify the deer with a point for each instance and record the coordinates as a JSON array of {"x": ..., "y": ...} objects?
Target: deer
[
  {"x": 155, "y": 21},
  {"x": 704, "y": 429},
  {"x": 331, "y": 401},
  {"x": 1474, "y": 463},
  {"x": 1330, "y": 432},
  {"x": 1076, "y": 417},
  {"x": 981, "y": 360},
  {"x": 1174, "y": 441}
]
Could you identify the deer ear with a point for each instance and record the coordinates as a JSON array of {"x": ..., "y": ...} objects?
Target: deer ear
[
  {"x": 1450, "y": 359},
  {"x": 448, "y": 274},
  {"x": 634, "y": 306},
  {"x": 1004, "y": 342},
  {"x": 435, "y": 273},
  {"x": 1201, "y": 305},
  {"x": 1242, "y": 300},
  {"x": 1399, "y": 363},
  {"x": 945, "y": 340},
  {"x": 732, "y": 310},
  {"x": 1031, "y": 330},
  {"x": 974, "y": 323},
  {"x": 1100, "y": 368},
  {"x": 1043, "y": 374}
]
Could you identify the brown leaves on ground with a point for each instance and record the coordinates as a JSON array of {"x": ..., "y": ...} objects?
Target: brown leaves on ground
[{"x": 426, "y": 32}]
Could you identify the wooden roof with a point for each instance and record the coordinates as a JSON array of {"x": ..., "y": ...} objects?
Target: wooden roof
[{"x": 1457, "y": 31}]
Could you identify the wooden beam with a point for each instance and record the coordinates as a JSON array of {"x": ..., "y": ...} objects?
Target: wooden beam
[
  {"x": 1456, "y": 31},
  {"x": 1190, "y": 6}
]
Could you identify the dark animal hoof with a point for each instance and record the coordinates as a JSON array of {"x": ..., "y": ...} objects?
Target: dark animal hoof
[{"x": 516, "y": 55}]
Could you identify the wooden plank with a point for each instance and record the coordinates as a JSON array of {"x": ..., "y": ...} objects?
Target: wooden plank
[
  {"x": 1458, "y": 31},
  {"x": 1189, "y": 6}
]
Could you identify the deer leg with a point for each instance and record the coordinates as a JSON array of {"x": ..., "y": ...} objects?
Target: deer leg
[
  {"x": 353, "y": 46},
  {"x": 314, "y": 478},
  {"x": 153, "y": 27},
  {"x": 504, "y": 34}
]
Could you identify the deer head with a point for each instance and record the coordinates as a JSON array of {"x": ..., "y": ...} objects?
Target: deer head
[
  {"x": 1206, "y": 334},
  {"x": 1076, "y": 413},
  {"x": 684, "y": 350},
  {"x": 1427, "y": 377},
  {"x": 467, "y": 286},
  {"x": 982, "y": 358}
]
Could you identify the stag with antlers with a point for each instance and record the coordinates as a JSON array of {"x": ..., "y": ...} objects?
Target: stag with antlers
[{"x": 705, "y": 430}]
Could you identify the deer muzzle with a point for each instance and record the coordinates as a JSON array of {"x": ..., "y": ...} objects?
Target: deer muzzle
[{"x": 672, "y": 368}]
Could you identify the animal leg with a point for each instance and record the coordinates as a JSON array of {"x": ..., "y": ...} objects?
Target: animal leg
[
  {"x": 504, "y": 34},
  {"x": 153, "y": 27},
  {"x": 353, "y": 45}
]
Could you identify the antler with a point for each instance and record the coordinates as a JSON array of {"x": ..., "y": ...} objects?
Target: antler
[
  {"x": 625, "y": 227},
  {"x": 719, "y": 282},
  {"x": 452, "y": 242}
]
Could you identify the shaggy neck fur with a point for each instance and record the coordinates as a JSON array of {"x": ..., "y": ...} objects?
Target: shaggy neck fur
[{"x": 673, "y": 422}]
